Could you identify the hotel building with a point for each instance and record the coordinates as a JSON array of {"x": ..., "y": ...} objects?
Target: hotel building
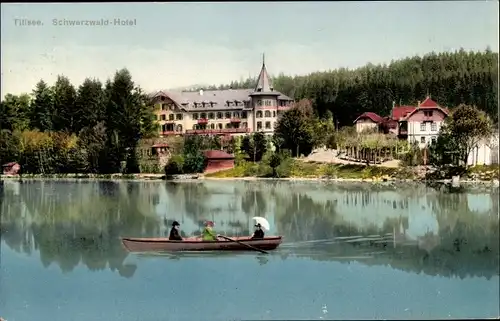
[{"x": 221, "y": 112}]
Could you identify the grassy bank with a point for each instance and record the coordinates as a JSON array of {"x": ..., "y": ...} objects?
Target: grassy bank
[
  {"x": 298, "y": 169},
  {"x": 293, "y": 168}
]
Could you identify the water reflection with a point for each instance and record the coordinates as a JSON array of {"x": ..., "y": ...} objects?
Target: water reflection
[{"x": 417, "y": 229}]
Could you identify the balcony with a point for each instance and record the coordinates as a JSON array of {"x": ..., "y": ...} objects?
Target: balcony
[
  {"x": 284, "y": 107},
  {"x": 235, "y": 120},
  {"x": 217, "y": 131},
  {"x": 202, "y": 121}
]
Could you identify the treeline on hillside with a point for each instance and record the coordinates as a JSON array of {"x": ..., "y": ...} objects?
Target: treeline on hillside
[
  {"x": 451, "y": 79},
  {"x": 59, "y": 128}
]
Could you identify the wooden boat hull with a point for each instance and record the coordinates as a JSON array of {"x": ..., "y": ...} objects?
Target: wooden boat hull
[{"x": 133, "y": 244}]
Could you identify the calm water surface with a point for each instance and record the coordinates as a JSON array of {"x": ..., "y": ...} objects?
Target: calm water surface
[{"x": 351, "y": 251}]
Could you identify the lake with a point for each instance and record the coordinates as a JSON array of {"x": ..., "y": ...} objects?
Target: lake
[{"x": 350, "y": 251}]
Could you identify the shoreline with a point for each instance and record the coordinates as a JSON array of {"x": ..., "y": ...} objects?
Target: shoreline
[{"x": 201, "y": 177}]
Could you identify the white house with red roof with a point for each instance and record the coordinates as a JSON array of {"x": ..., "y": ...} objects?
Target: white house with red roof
[{"x": 420, "y": 124}]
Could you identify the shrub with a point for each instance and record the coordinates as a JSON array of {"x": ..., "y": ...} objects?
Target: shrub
[{"x": 175, "y": 165}]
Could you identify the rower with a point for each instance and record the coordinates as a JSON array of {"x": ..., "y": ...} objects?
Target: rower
[
  {"x": 208, "y": 234},
  {"x": 259, "y": 232},
  {"x": 174, "y": 232}
]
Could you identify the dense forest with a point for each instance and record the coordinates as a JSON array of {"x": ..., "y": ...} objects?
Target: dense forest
[{"x": 450, "y": 78}]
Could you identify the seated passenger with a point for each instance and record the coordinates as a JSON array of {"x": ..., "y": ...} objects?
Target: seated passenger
[
  {"x": 208, "y": 234},
  {"x": 259, "y": 232},
  {"x": 174, "y": 232}
]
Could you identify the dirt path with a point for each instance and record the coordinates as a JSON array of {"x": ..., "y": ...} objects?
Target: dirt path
[{"x": 330, "y": 156}]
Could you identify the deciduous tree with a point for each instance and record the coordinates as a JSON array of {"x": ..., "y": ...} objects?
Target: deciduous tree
[
  {"x": 295, "y": 128},
  {"x": 464, "y": 129}
]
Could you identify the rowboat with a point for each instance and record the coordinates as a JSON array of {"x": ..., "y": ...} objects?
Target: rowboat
[{"x": 245, "y": 243}]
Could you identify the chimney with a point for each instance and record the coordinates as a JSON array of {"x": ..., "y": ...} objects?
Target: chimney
[{"x": 201, "y": 92}]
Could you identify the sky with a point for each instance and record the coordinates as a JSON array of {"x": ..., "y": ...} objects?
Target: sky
[{"x": 172, "y": 45}]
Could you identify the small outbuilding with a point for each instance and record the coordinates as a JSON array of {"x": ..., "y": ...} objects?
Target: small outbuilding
[
  {"x": 159, "y": 149},
  {"x": 217, "y": 160},
  {"x": 11, "y": 168}
]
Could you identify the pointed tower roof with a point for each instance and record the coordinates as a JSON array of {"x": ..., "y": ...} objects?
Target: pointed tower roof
[{"x": 264, "y": 85}]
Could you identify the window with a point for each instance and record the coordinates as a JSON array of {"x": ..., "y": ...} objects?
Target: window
[
  {"x": 195, "y": 105},
  {"x": 203, "y": 116},
  {"x": 423, "y": 127},
  {"x": 428, "y": 113},
  {"x": 195, "y": 116},
  {"x": 227, "y": 115},
  {"x": 236, "y": 114},
  {"x": 433, "y": 126},
  {"x": 244, "y": 114},
  {"x": 219, "y": 115},
  {"x": 179, "y": 128},
  {"x": 259, "y": 102},
  {"x": 178, "y": 116},
  {"x": 244, "y": 124},
  {"x": 259, "y": 125},
  {"x": 195, "y": 127},
  {"x": 433, "y": 139},
  {"x": 219, "y": 126},
  {"x": 268, "y": 125},
  {"x": 163, "y": 117},
  {"x": 267, "y": 113},
  {"x": 422, "y": 139},
  {"x": 171, "y": 117},
  {"x": 269, "y": 102},
  {"x": 259, "y": 114},
  {"x": 274, "y": 113},
  {"x": 210, "y": 115},
  {"x": 212, "y": 126},
  {"x": 228, "y": 125}
]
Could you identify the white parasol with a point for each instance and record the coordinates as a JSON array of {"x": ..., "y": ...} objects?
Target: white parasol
[{"x": 263, "y": 222}]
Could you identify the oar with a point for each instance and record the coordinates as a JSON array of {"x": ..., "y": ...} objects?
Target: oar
[{"x": 249, "y": 246}]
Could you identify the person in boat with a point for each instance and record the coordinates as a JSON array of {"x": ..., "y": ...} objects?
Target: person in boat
[
  {"x": 208, "y": 233},
  {"x": 259, "y": 232},
  {"x": 174, "y": 232}
]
